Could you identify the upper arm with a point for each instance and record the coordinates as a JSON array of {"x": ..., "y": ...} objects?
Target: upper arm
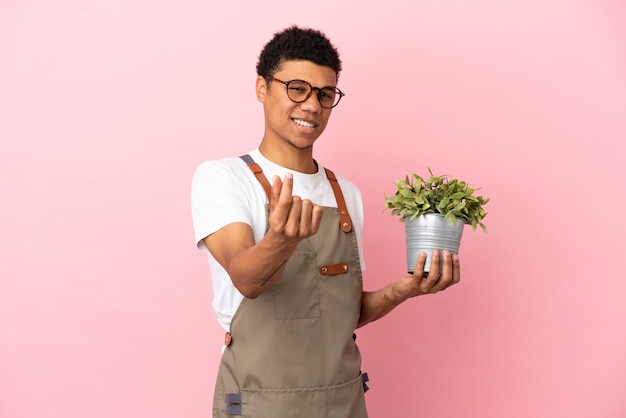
[
  {"x": 228, "y": 241},
  {"x": 221, "y": 196}
]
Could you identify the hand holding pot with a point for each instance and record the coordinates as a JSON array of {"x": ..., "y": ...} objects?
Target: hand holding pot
[{"x": 437, "y": 279}]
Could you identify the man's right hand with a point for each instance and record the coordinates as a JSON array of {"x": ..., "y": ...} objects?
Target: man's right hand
[{"x": 292, "y": 217}]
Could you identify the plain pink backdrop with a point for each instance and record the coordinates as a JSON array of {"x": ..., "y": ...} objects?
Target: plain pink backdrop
[{"x": 107, "y": 107}]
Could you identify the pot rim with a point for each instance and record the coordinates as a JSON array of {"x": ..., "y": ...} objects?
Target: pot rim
[{"x": 406, "y": 217}]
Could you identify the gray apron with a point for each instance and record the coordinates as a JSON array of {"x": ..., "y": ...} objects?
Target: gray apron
[{"x": 291, "y": 352}]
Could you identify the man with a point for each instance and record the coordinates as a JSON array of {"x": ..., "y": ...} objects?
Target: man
[{"x": 283, "y": 236}]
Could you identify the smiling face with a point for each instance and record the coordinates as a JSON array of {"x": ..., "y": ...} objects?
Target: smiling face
[{"x": 292, "y": 128}]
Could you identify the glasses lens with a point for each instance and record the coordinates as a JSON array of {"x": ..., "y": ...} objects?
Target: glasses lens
[
  {"x": 329, "y": 97},
  {"x": 298, "y": 90}
]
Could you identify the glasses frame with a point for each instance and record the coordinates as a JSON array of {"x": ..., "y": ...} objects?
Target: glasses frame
[{"x": 319, "y": 91}]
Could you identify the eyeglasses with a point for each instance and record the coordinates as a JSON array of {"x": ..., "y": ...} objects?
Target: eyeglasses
[{"x": 299, "y": 91}]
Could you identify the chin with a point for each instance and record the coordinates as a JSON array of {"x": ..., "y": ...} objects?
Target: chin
[{"x": 303, "y": 145}]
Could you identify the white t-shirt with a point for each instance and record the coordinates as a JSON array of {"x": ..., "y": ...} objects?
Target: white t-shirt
[{"x": 226, "y": 191}]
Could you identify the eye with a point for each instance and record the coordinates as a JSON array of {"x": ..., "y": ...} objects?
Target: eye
[
  {"x": 328, "y": 93},
  {"x": 298, "y": 89}
]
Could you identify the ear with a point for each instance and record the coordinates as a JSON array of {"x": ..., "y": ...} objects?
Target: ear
[{"x": 261, "y": 88}]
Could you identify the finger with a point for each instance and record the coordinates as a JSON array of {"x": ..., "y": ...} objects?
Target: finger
[
  {"x": 316, "y": 218},
  {"x": 292, "y": 227},
  {"x": 305, "y": 218},
  {"x": 433, "y": 273},
  {"x": 310, "y": 218},
  {"x": 456, "y": 269},
  {"x": 287, "y": 189},
  {"x": 446, "y": 277},
  {"x": 280, "y": 204},
  {"x": 418, "y": 270}
]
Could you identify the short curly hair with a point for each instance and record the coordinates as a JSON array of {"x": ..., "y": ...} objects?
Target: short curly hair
[{"x": 295, "y": 43}]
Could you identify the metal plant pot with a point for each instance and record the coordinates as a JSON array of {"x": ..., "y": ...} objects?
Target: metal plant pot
[{"x": 429, "y": 232}]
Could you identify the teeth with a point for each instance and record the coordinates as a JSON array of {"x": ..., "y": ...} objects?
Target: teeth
[{"x": 304, "y": 123}]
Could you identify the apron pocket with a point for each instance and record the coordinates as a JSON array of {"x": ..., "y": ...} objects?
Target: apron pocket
[
  {"x": 340, "y": 401},
  {"x": 296, "y": 295}
]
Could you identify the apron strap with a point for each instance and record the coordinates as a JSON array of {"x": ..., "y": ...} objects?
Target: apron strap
[
  {"x": 344, "y": 217},
  {"x": 258, "y": 173}
]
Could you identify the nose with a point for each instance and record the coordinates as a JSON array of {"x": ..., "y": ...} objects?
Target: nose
[{"x": 312, "y": 104}]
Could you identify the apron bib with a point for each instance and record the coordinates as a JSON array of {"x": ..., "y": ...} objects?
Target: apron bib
[{"x": 291, "y": 351}]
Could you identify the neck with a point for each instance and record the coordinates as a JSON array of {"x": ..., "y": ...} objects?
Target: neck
[{"x": 300, "y": 160}]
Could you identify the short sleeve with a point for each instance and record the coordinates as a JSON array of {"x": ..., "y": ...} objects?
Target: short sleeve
[{"x": 216, "y": 200}]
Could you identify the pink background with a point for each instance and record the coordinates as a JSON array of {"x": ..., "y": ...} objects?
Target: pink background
[{"x": 107, "y": 107}]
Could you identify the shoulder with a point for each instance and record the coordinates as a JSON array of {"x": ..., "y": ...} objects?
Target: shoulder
[
  {"x": 224, "y": 184},
  {"x": 352, "y": 196},
  {"x": 224, "y": 167},
  {"x": 227, "y": 173},
  {"x": 348, "y": 187}
]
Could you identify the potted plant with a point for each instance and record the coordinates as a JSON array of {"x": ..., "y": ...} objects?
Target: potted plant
[{"x": 434, "y": 212}]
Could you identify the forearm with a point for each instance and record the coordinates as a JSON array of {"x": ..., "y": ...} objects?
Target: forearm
[
  {"x": 375, "y": 305},
  {"x": 257, "y": 269}
]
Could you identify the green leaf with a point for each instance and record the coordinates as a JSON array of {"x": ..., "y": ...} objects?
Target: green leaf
[
  {"x": 453, "y": 198},
  {"x": 459, "y": 207}
]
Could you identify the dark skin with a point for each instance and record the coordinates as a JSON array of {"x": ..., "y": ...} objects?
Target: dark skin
[{"x": 291, "y": 129}]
